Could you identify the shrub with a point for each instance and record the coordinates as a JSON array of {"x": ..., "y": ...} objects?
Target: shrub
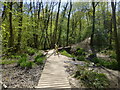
[
  {"x": 30, "y": 51},
  {"x": 113, "y": 64},
  {"x": 27, "y": 64},
  {"x": 22, "y": 59},
  {"x": 80, "y": 51},
  {"x": 63, "y": 52},
  {"x": 16, "y": 56},
  {"x": 40, "y": 60},
  {"x": 39, "y": 56},
  {"x": 8, "y": 61},
  {"x": 81, "y": 58},
  {"x": 23, "y": 64},
  {"x": 91, "y": 79},
  {"x": 113, "y": 55}
]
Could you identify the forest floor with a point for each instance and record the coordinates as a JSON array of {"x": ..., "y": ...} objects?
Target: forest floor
[
  {"x": 112, "y": 75},
  {"x": 58, "y": 69},
  {"x": 14, "y": 76}
]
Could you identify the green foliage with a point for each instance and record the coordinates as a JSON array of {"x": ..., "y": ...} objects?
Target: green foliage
[
  {"x": 113, "y": 55},
  {"x": 27, "y": 64},
  {"x": 22, "y": 59},
  {"x": 22, "y": 62},
  {"x": 80, "y": 51},
  {"x": 39, "y": 59},
  {"x": 16, "y": 56},
  {"x": 8, "y": 61},
  {"x": 113, "y": 64},
  {"x": 90, "y": 78},
  {"x": 81, "y": 58},
  {"x": 30, "y": 51},
  {"x": 63, "y": 52}
]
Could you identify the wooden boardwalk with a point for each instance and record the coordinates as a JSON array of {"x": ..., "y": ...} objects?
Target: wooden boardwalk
[{"x": 54, "y": 74}]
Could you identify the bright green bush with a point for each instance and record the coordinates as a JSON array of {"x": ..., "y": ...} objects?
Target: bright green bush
[
  {"x": 27, "y": 64},
  {"x": 39, "y": 56},
  {"x": 40, "y": 60},
  {"x": 23, "y": 64},
  {"x": 63, "y": 52},
  {"x": 22, "y": 59}
]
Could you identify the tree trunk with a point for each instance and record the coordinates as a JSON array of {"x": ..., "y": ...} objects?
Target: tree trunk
[
  {"x": 117, "y": 47},
  {"x": 110, "y": 42},
  {"x": 4, "y": 12},
  {"x": 93, "y": 29},
  {"x": 60, "y": 28},
  {"x": 56, "y": 24},
  {"x": 68, "y": 24},
  {"x": 11, "y": 29},
  {"x": 35, "y": 36},
  {"x": 20, "y": 26}
]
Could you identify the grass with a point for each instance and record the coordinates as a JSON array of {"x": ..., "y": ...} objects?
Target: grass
[
  {"x": 108, "y": 64},
  {"x": 3, "y": 62},
  {"x": 39, "y": 59},
  {"x": 27, "y": 64},
  {"x": 63, "y": 52},
  {"x": 80, "y": 51},
  {"x": 22, "y": 59},
  {"x": 30, "y": 51},
  {"x": 81, "y": 58},
  {"x": 111, "y": 53},
  {"x": 24, "y": 63},
  {"x": 91, "y": 79}
]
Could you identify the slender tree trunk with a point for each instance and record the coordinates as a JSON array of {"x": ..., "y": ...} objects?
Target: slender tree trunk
[
  {"x": 46, "y": 24},
  {"x": 117, "y": 45},
  {"x": 80, "y": 26},
  {"x": 51, "y": 26},
  {"x": 110, "y": 40},
  {"x": 93, "y": 29},
  {"x": 4, "y": 12},
  {"x": 56, "y": 24},
  {"x": 10, "y": 28},
  {"x": 20, "y": 26},
  {"x": 68, "y": 24},
  {"x": 35, "y": 36},
  {"x": 60, "y": 27}
]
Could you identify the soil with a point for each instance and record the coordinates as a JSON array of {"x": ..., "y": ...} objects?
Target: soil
[{"x": 16, "y": 77}]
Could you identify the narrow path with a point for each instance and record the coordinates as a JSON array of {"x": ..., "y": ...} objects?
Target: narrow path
[{"x": 54, "y": 73}]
